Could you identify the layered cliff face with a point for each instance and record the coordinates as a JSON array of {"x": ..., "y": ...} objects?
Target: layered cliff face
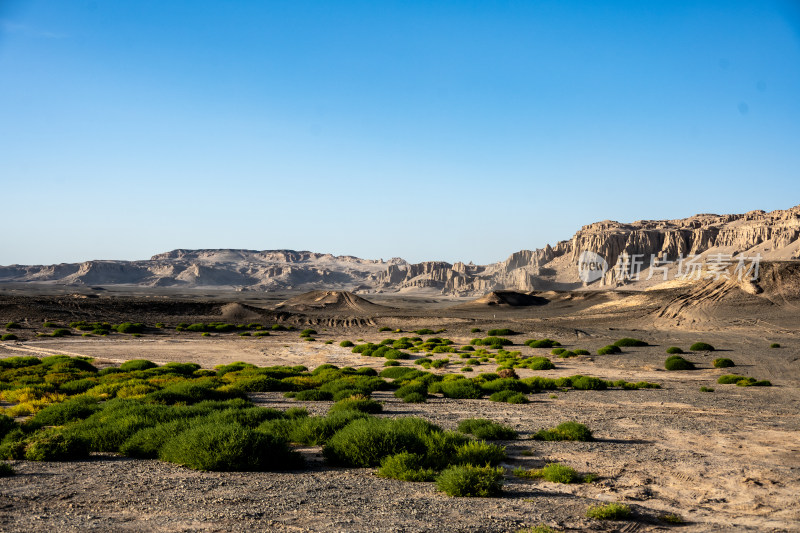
[{"x": 774, "y": 236}]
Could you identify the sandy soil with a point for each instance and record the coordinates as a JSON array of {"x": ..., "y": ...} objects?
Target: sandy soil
[{"x": 724, "y": 461}]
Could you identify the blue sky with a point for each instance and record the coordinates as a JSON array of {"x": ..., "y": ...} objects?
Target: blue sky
[{"x": 448, "y": 130}]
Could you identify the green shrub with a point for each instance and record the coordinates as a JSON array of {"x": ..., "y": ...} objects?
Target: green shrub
[
  {"x": 191, "y": 392},
  {"x": 385, "y": 328},
  {"x": 6, "y": 470},
  {"x": 313, "y": 395},
  {"x": 676, "y": 362},
  {"x": 539, "y": 363},
  {"x": 391, "y": 362},
  {"x": 406, "y": 467},
  {"x": 7, "y": 424},
  {"x": 509, "y": 396},
  {"x": 542, "y": 343},
  {"x": 493, "y": 342},
  {"x": 773, "y": 345},
  {"x": 205, "y": 334},
  {"x": 671, "y": 518},
  {"x": 364, "y": 405},
  {"x": 415, "y": 397},
  {"x": 61, "y": 332},
  {"x": 128, "y": 327},
  {"x": 500, "y": 332},
  {"x": 555, "y": 473},
  {"x": 483, "y": 428},
  {"x": 365, "y": 442},
  {"x": 627, "y": 341},
  {"x": 54, "y": 445},
  {"x": 308, "y": 332},
  {"x": 228, "y": 447},
  {"x": 49, "y": 325},
  {"x": 475, "y": 330},
  {"x": 608, "y": 350},
  {"x": 566, "y": 431},
  {"x": 346, "y": 344},
  {"x": 609, "y": 511},
  {"x": 701, "y": 347},
  {"x": 588, "y": 383},
  {"x": 706, "y": 389},
  {"x": 471, "y": 481},
  {"x": 723, "y": 363},
  {"x": 137, "y": 364},
  {"x": 146, "y": 443},
  {"x": 478, "y": 452},
  {"x": 424, "y": 331},
  {"x": 581, "y": 352},
  {"x": 729, "y": 379},
  {"x": 674, "y": 350},
  {"x": 8, "y": 337},
  {"x": 13, "y": 325},
  {"x": 58, "y": 414}
]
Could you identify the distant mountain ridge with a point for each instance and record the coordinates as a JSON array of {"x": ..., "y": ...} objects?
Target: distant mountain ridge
[{"x": 775, "y": 236}]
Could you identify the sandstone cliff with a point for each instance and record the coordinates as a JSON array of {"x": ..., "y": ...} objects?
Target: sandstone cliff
[{"x": 775, "y": 236}]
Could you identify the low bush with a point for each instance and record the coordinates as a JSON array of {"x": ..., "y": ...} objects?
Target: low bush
[
  {"x": 364, "y": 405},
  {"x": 701, "y": 347},
  {"x": 473, "y": 330},
  {"x": 773, "y": 345},
  {"x": 609, "y": 511},
  {"x": 61, "y": 332},
  {"x": 137, "y": 364},
  {"x": 313, "y": 395},
  {"x": 608, "y": 350},
  {"x": 627, "y": 341},
  {"x": 471, "y": 481},
  {"x": 8, "y": 337},
  {"x": 483, "y": 428},
  {"x": 58, "y": 414},
  {"x": 553, "y": 472},
  {"x": 706, "y": 389},
  {"x": 542, "y": 343},
  {"x": 676, "y": 362},
  {"x": 723, "y": 363},
  {"x": 509, "y": 396},
  {"x": 13, "y": 325},
  {"x": 308, "y": 332},
  {"x": 366, "y": 442},
  {"x": 500, "y": 332},
  {"x": 346, "y": 344},
  {"x": 406, "y": 466},
  {"x": 228, "y": 447},
  {"x": 53, "y": 445},
  {"x": 674, "y": 350},
  {"x": 566, "y": 431},
  {"x": 588, "y": 383}
]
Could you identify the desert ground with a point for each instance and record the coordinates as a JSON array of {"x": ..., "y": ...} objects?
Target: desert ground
[{"x": 727, "y": 460}]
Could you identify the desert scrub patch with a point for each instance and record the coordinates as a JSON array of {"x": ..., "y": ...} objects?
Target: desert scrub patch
[
  {"x": 742, "y": 381},
  {"x": 483, "y": 428},
  {"x": 228, "y": 447},
  {"x": 509, "y": 396},
  {"x": 406, "y": 466},
  {"x": 672, "y": 350},
  {"x": 499, "y": 332},
  {"x": 608, "y": 350},
  {"x": 308, "y": 332},
  {"x": 701, "y": 347},
  {"x": 609, "y": 511},
  {"x": 58, "y": 414},
  {"x": 13, "y": 325},
  {"x": 493, "y": 342},
  {"x": 346, "y": 344},
  {"x": 364, "y": 405},
  {"x": 471, "y": 481},
  {"x": 313, "y": 395},
  {"x": 628, "y": 341},
  {"x": 542, "y": 343},
  {"x": 475, "y": 330},
  {"x": 723, "y": 362},
  {"x": 573, "y": 431},
  {"x": 588, "y": 383},
  {"x": 706, "y": 389},
  {"x": 365, "y": 442},
  {"x": 676, "y": 362},
  {"x": 137, "y": 364},
  {"x": 773, "y": 345},
  {"x": 553, "y": 472},
  {"x": 460, "y": 389}
]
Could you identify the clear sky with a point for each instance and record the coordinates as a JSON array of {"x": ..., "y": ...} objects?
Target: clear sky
[{"x": 427, "y": 130}]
